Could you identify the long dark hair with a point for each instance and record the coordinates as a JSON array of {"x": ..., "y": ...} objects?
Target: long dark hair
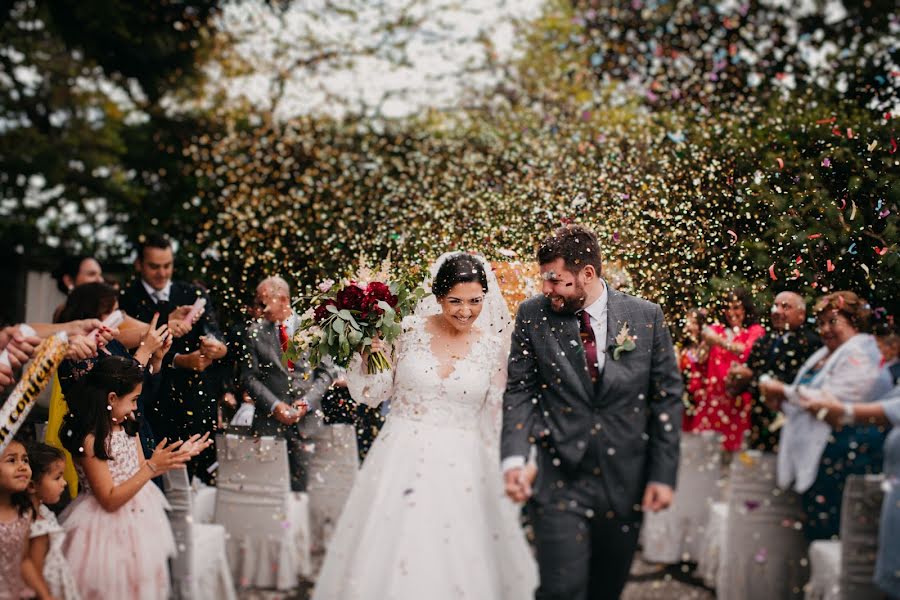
[
  {"x": 459, "y": 268},
  {"x": 89, "y": 412},
  {"x": 741, "y": 295},
  {"x": 41, "y": 457},
  {"x": 70, "y": 266},
  {"x": 88, "y": 301}
]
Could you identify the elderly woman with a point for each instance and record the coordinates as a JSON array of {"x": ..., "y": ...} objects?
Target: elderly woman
[
  {"x": 886, "y": 411},
  {"x": 814, "y": 458}
]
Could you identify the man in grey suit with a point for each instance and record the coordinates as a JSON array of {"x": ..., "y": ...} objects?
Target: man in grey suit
[
  {"x": 288, "y": 397},
  {"x": 595, "y": 391}
]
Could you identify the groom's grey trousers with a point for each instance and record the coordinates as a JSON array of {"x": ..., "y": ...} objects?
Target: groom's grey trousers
[{"x": 575, "y": 507}]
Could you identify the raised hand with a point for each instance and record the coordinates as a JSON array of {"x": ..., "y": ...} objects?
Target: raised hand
[
  {"x": 20, "y": 346},
  {"x": 82, "y": 347},
  {"x": 167, "y": 457},
  {"x": 196, "y": 444},
  {"x": 176, "y": 320},
  {"x": 196, "y": 361},
  {"x": 285, "y": 414},
  {"x": 6, "y": 376},
  {"x": 211, "y": 347},
  {"x": 155, "y": 337}
]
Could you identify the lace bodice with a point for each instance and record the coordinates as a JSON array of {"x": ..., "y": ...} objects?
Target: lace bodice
[
  {"x": 468, "y": 398},
  {"x": 123, "y": 459}
]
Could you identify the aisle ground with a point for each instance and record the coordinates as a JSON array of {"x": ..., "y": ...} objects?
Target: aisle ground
[{"x": 648, "y": 582}]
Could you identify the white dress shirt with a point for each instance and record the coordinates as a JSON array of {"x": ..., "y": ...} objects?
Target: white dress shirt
[
  {"x": 598, "y": 312},
  {"x": 158, "y": 295}
]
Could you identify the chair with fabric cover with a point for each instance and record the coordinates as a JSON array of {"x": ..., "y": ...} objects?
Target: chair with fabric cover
[
  {"x": 268, "y": 524},
  {"x": 332, "y": 472},
  {"x": 860, "y": 517},
  {"x": 200, "y": 568},
  {"x": 677, "y": 533},
  {"x": 824, "y": 570},
  {"x": 765, "y": 551}
]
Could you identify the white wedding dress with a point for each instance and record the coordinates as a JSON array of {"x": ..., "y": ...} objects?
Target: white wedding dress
[{"x": 427, "y": 516}]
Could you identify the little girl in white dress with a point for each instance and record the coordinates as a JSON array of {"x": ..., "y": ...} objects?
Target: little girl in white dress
[{"x": 51, "y": 573}]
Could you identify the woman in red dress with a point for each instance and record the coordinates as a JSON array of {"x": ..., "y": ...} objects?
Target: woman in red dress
[{"x": 715, "y": 409}]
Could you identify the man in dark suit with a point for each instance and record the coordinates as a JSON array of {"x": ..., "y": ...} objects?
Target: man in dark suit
[
  {"x": 594, "y": 388},
  {"x": 780, "y": 354},
  {"x": 186, "y": 403},
  {"x": 288, "y": 396}
]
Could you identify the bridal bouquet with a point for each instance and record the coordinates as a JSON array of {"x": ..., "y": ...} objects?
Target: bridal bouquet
[{"x": 344, "y": 318}]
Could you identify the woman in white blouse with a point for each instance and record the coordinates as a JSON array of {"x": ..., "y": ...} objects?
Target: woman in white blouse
[{"x": 813, "y": 458}]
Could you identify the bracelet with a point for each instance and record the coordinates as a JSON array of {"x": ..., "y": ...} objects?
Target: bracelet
[
  {"x": 849, "y": 414},
  {"x": 150, "y": 466}
]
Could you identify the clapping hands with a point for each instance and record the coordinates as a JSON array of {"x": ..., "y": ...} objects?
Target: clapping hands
[{"x": 195, "y": 445}]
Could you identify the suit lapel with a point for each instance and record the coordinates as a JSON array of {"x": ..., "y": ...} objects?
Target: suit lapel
[
  {"x": 615, "y": 319},
  {"x": 274, "y": 342},
  {"x": 565, "y": 328}
]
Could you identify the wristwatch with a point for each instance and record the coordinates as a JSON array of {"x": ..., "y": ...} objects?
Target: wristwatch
[{"x": 849, "y": 414}]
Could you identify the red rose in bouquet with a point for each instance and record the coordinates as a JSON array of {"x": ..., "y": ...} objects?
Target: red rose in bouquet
[
  {"x": 321, "y": 313},
  {"x": 380, "y": 291},
  {"x": 350, "y": 298},
  {"x": 346, "y": 318}
]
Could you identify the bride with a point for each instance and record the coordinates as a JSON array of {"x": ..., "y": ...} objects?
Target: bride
[{"x": 427, "y": 516}]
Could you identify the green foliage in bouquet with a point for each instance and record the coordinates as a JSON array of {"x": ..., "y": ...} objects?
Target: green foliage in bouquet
[{"x": 344, "y": 320}]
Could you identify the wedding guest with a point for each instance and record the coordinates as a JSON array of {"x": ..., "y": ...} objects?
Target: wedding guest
[
  {"x": 887, "y": 334},
  {"x": 99, "y": 300},
  {"x": 78, "y": 270},
  {"x": 288, "y": 396},
  {"x": 883, "y": 412},
  {"x": 692, "y": 357},
  {"x": 118, "y": 538},
  {"x": 730, "y": 340},
  {"x": 45, "y": 569},
  {"x": 74, "y": 271},
  {"x": 85, "y": 336},
  {"x": 187, "y": 401},
  {"x": 16, "y": 514},
  {"x": 779, "y": 354},
  {"x": 812, "y": 458}
]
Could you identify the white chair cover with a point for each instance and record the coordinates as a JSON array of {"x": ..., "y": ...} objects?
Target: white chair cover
[
  {"x": 860, "y": 516},
  {"x": 332, "y": 472},
  {"x": 764, "y": 555},
  {"x": 200, "y": 569},
  {"x": 824, "y": 570},
  {"x": 678, "y": 533},
  {"x": 204, "y": 502},
  {"x": 711, "y": 544},
  {"x": 267, "y": 524}
]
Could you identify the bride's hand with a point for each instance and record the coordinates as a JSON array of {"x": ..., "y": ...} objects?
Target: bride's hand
[{"x": 377, "y": 345}]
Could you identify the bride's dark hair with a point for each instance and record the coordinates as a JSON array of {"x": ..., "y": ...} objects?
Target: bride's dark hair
[{"x": 459, "y": 268}]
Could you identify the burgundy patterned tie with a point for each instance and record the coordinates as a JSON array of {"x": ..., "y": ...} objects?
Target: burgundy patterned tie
[{"x": 590, "y": 345}]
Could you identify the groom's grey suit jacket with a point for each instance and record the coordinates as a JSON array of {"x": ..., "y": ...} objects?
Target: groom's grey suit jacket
[{"x": 630, "y": 421}]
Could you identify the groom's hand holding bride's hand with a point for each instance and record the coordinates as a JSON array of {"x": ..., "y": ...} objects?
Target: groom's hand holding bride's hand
[
  {"x": 518, "y": 482},
  {"x": 657, "y": 496}
]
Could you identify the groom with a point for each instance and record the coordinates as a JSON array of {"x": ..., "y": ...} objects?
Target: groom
[{"x": 595, "y": 389}]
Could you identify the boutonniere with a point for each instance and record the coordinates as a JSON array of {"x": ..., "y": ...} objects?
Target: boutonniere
[{"x": 625, "y": 342}]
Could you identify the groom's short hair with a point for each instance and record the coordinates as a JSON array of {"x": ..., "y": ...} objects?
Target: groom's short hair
[{"x": 575, "y": 244}]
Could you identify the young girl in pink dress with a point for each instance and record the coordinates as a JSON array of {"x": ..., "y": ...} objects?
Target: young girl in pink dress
[
  {"x": 118, "y": 536},
  {"x": 15, "y": 519}
]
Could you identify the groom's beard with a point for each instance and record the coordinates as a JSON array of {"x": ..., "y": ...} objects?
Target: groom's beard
[{"x": 568, "y": 305}]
